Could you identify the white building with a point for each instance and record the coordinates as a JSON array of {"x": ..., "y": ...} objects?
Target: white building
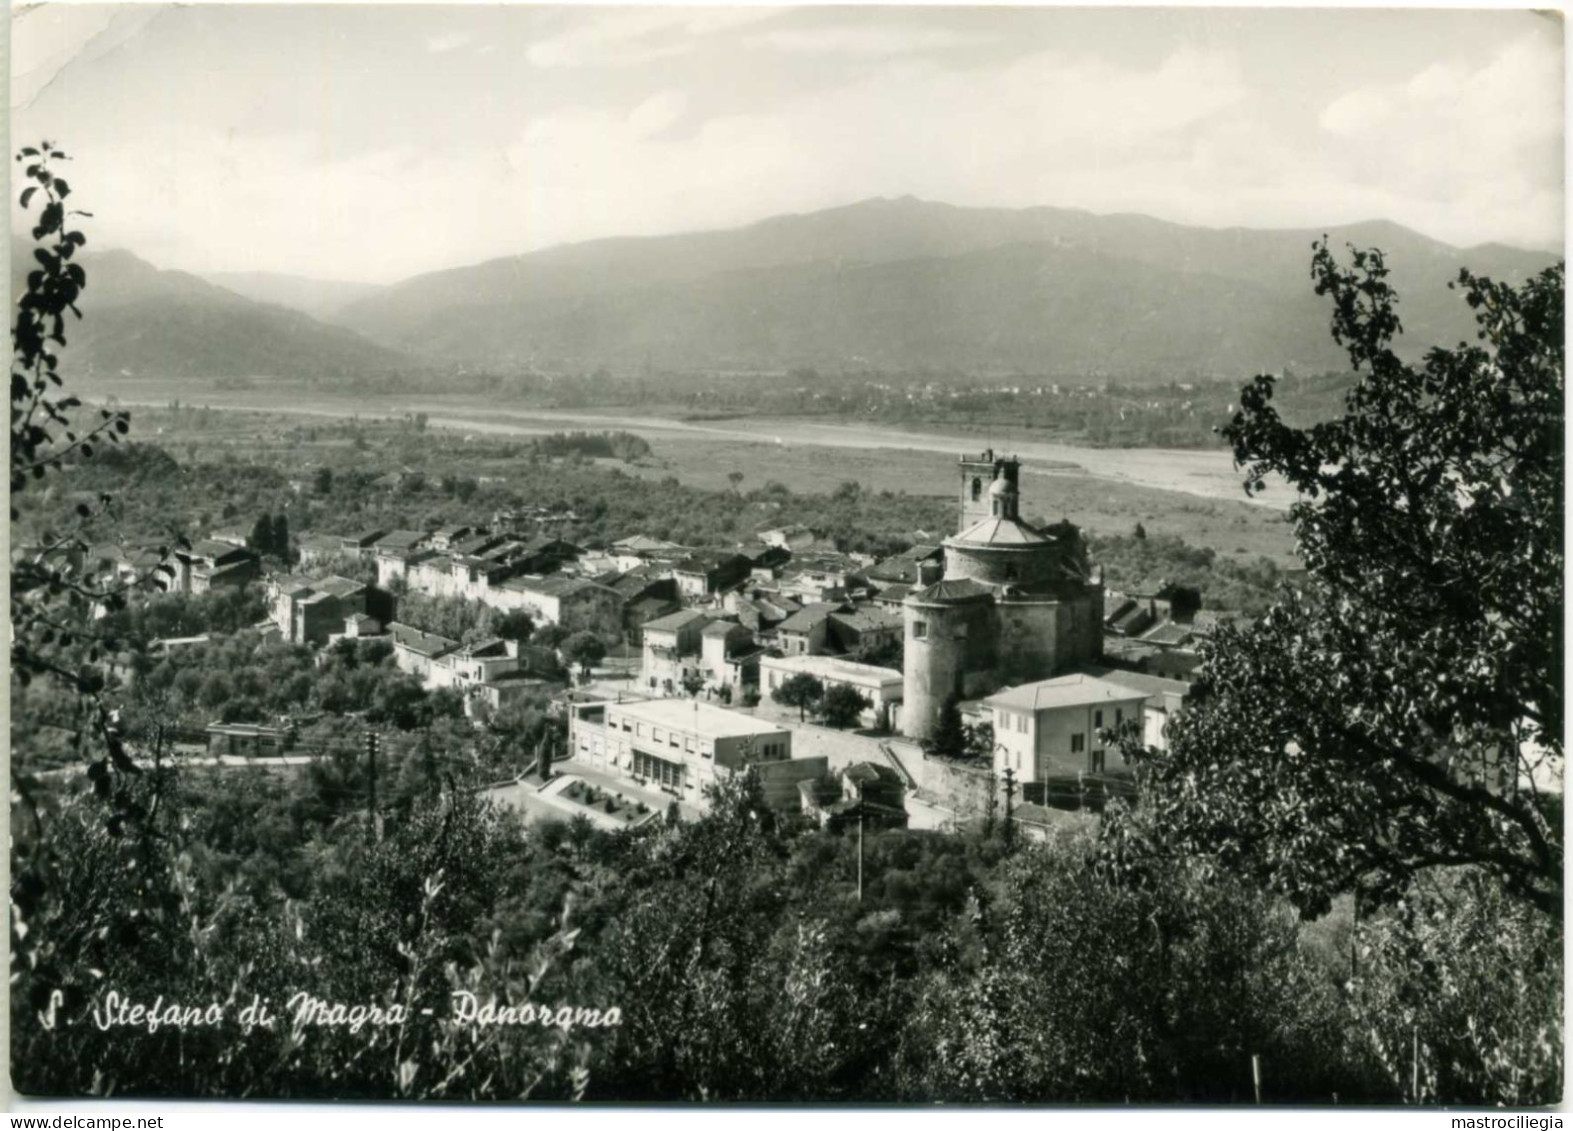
[
  {"x": 880, "y": 686},
  {"x": 1051, "y": 728},
  {"x": 680, "y": 746}
]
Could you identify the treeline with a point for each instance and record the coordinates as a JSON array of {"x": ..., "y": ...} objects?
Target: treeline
[
  {"x": 1087, "y": 409},
  {"x": 594, "y": 445},
  {"x": 1146, "y": 563},
  {"x": 742, "y": 961}
]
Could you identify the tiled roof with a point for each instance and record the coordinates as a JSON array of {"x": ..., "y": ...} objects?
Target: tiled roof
[
  {"x": 1140, "y": 681},
  {"x": 1000, "y": 532},
  {"x": 1168, "y": 633},
  {"x": 425, "y": 643},
  {"x": 808, "y": 616},
  {"x": 959, "y": 589},
  {"x": 401, "y": 540},
  {"x": 868, "y": 619},
  {"x": 672, "y": 622},
  {"x": 1063, "y": 691}
]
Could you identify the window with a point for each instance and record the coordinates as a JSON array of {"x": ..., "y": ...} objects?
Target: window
[
  {"x": 1078, "y": 743},
  {"x": 655, "y": 734},
  {"x": 1119, "y": 716},
  {"x": 977, "y": 488},
  {"x": 1002, "y": 719},
  {"x": 1097, "y": 720},
  {"x": 1021, "y": 724},
  {"x": 920, "y": 630},
  {"x": 1095, "y": 761}
]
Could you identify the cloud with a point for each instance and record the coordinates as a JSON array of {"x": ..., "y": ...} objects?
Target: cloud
[
  {"x": 657, "y": 113},
  {"x": 625, "y": 37},
  {"x": 450, "y": 41},
  {"x": 1452, "y": 143},
  {"x": 863, "y": 40}
]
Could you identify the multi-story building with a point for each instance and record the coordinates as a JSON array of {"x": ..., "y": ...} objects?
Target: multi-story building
[
  {"x": 682, "y": 746},
  {"x": 1052, "y": 728},
  {"x": 1165, "y": 699},
  {"x": 416, "y": 652},
  {"x": 705, "y": 573},
  {"x": 672, "y": 651},
  {"x": 729, "y": 657},
  {"x": 309, "y": 610},
  {"x": 575, "y": 603},
  {"x": 211, "y": 564}
]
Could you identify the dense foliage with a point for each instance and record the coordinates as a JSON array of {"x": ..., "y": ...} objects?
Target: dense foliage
[{"x": 1405, "y": 712}]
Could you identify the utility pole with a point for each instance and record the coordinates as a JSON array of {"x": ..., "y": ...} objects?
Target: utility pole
[
  {"x": 1010, "y": 797},
  {"x": 860, "y": 844},
  {"x": 372, "y": 743}
]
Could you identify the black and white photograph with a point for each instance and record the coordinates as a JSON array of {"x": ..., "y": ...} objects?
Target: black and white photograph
[{"x": 830, "y": 557}]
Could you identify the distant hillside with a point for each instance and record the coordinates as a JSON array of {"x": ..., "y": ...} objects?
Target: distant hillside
[
  {"x": 906, "y": 283},
  {"x": 143, "y": 321},
  {"x": 322, "y": 299}
]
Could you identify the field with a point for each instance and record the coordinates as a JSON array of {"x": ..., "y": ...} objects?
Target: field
[{"x": 1105, "y": 491}]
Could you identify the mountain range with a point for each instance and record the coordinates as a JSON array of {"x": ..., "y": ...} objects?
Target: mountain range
[
  {"x": 883, "y": 284},
  {"x": 143, "y": 321}
]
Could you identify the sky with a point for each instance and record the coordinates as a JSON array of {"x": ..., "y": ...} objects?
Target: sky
[{"x": 371, "y": 143}]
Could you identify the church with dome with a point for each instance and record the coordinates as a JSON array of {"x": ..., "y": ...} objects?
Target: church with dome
[{"x": 1014, "y": 604}]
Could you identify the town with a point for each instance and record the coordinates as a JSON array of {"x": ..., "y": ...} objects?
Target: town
[{"x": 988, "y": 672}]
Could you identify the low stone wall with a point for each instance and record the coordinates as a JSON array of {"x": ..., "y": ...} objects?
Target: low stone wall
[{"x": 960, "y": 788}]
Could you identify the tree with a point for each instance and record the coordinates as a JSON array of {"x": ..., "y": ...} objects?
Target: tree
[
  {"x": 735, "y": 478},
  {"x": 322, "y": 481},
  {"x": 280, "y": 536},
  {"x": 693, "y": 682},
  {"x": 842, "y": 704},
  {"x": 515, "y": 625},
  {"x": 949, "y": 739},
  {"x": 801, "y": 691},
  {"x": 261, "y": 537},
  {"x": 1405, "y": 711},
  {"x": 585, "y": 649},
  {"x": 1140, "y": 533},
  {"x": 980, "y": 743},
  {"x": 550, "y": 635}
]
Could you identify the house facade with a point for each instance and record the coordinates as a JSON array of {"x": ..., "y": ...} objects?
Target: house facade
[
  {"x": 1052, "y": 728},
  {"x": 683, "y": 746}
]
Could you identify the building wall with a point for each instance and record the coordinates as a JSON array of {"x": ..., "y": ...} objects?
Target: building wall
[
  {"x": 609, "y": 739},
  {"x": 1045, "y": 749},
  {"x": 955, "y": 656},
  {"x": 1028, "y": 566}
]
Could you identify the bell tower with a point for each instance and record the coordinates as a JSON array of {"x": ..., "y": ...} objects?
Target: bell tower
[{"x": 978, "y": 474}]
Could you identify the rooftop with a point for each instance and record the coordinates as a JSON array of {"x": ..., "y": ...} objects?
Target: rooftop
[
  {"x": 401, "y": 540},
  {"x": 700, "y": 719},
  {"x": 673, "y": 622},
  {"x": 1064, "y": 691},
  {"x": 833, "y": 667},
  {"x": 869, "y": 618},
  {"x": 1139, "y": 681},
  {"x": 959, "y": 589},
  {"x": 213, "y": 548},
  {"x": 809, "y": 615},
  {"x": 999, "y": 531},
  {"x": 426, "y": 643}
]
